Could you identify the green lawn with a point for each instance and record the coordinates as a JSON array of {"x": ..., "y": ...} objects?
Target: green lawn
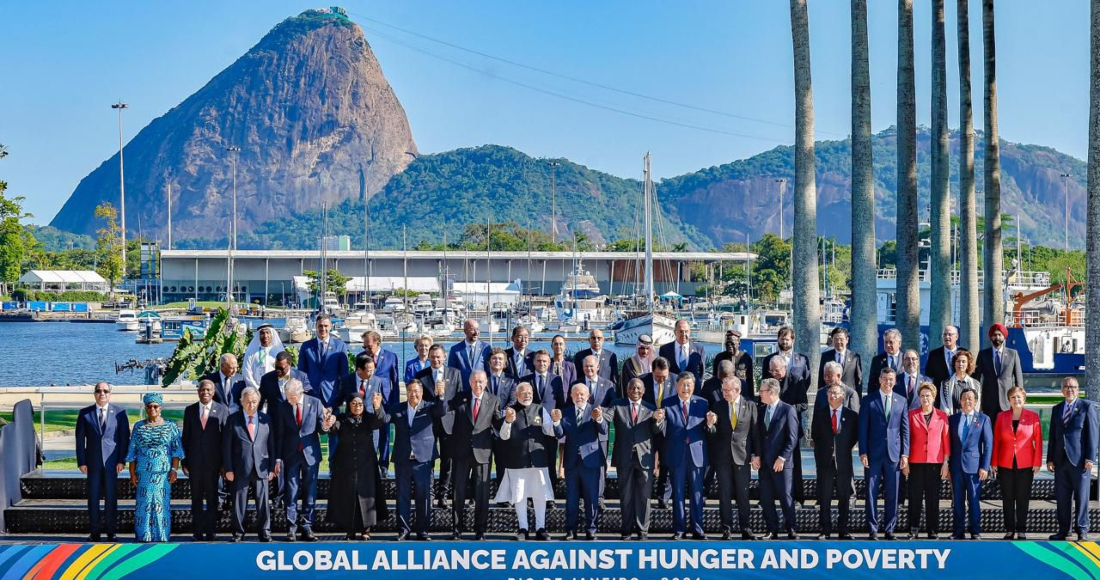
[{"x": 65, "y": 419}]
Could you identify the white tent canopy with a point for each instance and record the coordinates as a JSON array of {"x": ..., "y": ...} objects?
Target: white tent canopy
[{"x": 61, "y": 280}]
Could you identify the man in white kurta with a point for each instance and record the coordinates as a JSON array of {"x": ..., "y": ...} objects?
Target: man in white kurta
[{"x": 528, "y": 431}]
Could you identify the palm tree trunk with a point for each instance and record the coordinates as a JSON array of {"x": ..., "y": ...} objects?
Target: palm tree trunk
[
  {"x": 940, "y": 314},
  {"x": 864, "y": 307},
  {"x": 908, "y": 259},
  {"x": 969, "y": 309},
  {"x": 994, "y": 304},
  {"x": 1092, "y": 339},
  {"x": 807, "y": 320}
]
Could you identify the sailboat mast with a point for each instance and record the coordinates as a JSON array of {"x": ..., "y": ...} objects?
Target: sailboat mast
[
  {"x": 488, "y": 280},
  {"x": 405, "y": 267},
  {"x": 648, "y": 187}
]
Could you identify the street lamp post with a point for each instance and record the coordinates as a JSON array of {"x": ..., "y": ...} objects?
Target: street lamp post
[
  {"x": 119, "y": 106},
  {"x": 232, "y": 150},
  {"x": 1065, "y": 188}
]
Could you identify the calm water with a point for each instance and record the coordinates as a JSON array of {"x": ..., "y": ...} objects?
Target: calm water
[{"x": 65, "y": 353}]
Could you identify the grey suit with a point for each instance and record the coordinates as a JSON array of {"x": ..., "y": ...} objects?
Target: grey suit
[
  {"x": 633, "y": 461},
  {"x": 995, "y": 385}
]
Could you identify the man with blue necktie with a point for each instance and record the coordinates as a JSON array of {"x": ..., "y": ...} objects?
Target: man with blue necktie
[
  {"x": 470, "y": 354},
  {"x": 520, "y": 360},
  {"x": 1071, "y": 454},
  {"x": 998, "y": 369},
  {"x": 971, "y": 435},
  {"x": 324, "y": 359},
  {"x": 414, "y": 453},
  {"x": 683, "y": 355},
  {"x": 102, "y": 438},
  {"x": 883, "y": 448}
]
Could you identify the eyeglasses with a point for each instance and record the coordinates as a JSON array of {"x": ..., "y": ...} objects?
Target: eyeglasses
[{"x": 102, "y": 392}]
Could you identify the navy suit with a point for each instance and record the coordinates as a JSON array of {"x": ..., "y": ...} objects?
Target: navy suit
[
  {"x": 1072, "y": 442},
  {"x": 684, "y": 453},
  {"x": 250, "y": 460},
  {"x": 884, "y": 440},
  {"x": 391, "y": 396},
  {"x": 510, "y": 363},
  {"x": 609, "y": 364},
  {"x": 551, "y": 394},
  {"x": 324, "y": 370},
  {"x": 228, "y": 395},
  {"x": 202, "y": 449},
  {"x": 967, "y": 457},
  {"x": 881, "y": 361},
  {"x": 301, "y": 455},
  {"x": 414, "y": 366},
  {"x": 414, "y": 452},
  {"x": 696, "y": 359},
  {"x": 504, "y": 387},
  {"x": 270, "y": 391},
  {"x": 912, "y": 393},
  {"x": 584, "y": 458},
  {"x": 385, "y": 366},
  {"x": 650, "y": 394},
  {"x": 455, "y": 383},
  {"x": 459, "y": 358},
  {"x": 102, "y": 449},
  {"x": 778, "y": 439}
]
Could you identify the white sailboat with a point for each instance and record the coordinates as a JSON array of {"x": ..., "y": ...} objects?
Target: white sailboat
[{"x": 657, "y": 325}]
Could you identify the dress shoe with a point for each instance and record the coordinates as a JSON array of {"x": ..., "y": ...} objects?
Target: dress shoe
[
  {"x": 846, "y": 536},
  {"x": 726, "y": 536},
  {"x": 423, "y": 538},
  {"x": 890, "y": 536},
  {"x": 823, "y": 536},
  {"x": 748, "y": 536},
  {"x": 94, "y": 538},
  {"x": 589, "y": 536},
  {"x": 265, "y": 537},
  {"x": 236, "y": 538},
  {"x": 772, "y": 536},
  {"x": 912, "y": 536},
  {"x": 291, "y": 537},
  {"x": 456, "y": 535},
  {"x": 550, "y": 506},
  {"x": 1057, "y": 537},
  {"x": 698, "y": 536},
  {"x": 503, "y": 504},
  {"x": 792, "y": 536},
  {"x": 542, "y": 535},
  {"x": 569, "y": 536},
  {"x": 351, "y": 537},
  {"x": 1081, "y": 537},
  {"x": 403, "y": 535},
  {"x": 975, "y": 536},
  {"x": 642, "y": 536},
  {"x": 479, "y": 537},
  {"x": 958, "y": 537},
  {"x": 1010, "y": 536},
  {"x": 523, "y": 535},
  {"x": 308, "y": 536},
  {"x": 624, "y": 537},
  {"x": 114, "y": 538},
  {"x": 441, "y": 503},
  {"x": 1021, "y": 537},
  {"x": 873, "y": 536},
  {"x": 677, "y": 536},
  {"x": 932, "y": 536}
]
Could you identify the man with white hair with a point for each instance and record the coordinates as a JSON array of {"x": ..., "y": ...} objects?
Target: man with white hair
[
  {"x": 472, "y": 439},
  {"x": 251, "y": 459},
  {"x": 583, "y": 430},
  {"x": 298, "y": 423},
  {"x": 890, "y": 357},
  {"x": 259, "y": 358},
  {"x": 830, "y": 376},
  {"x": 527, "y": 432}
]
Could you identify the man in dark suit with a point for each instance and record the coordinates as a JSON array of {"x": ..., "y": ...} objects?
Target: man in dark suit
[
  {"x": 797, "y": 365},
  {"x": 500, "y": 384},
  {"x": 520, "y": 362},
  {"x": 891, "y": 344},
  {"x": 635, "y": 440},
  {"x": 938, "y": 368},
  {"x": 683, "y": 421},
  {"x": 910, "y": 378},
  {"x": 602, "y": 393},
  {"x": 1071, "y": 453},
  {"x": 683, "y": 355},
  {"x": 102, "y": 442},
  {"x": 883, "y": 448},
  {"x": 971, "y": 435},
  {"x": 414, "y": 452},
  {"x": 712, "y": 387},
  {"x": 609, "y": 362},
  {"x": 734, "y": 443},
  {"x": 324, "y": 359},
  {"x": 548, "y": 389},
  {"x": 584, "y": 432},
  {"x": 742, "y": 363},
  {"x": 778, "y": 436},
  {"x": 298, "y": 422},
  {"x": 473, "y": 413},
  {"x": 451, "y": 380},
  {"x": 834, "y": 432},
  {"x": 203, "y": 425},
  {"x": 272, "y": 384},
  {"x": 791, "y": 391},
  {"x": 831, "y": 373},
  {"x": 998, "y": 370},
  {"x": 659, "y": 384},
  {"x": 385, "y": 362},
  {"x": 228, "y": 383},
  {"x": 366, "y": 381},
  {"x": 851, "y": 364},
  {"x": 250, "y": 453},
  {"x": 469, "y": 355}
]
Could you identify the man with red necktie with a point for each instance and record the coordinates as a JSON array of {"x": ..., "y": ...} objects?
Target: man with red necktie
[{"x": 473, "y": 413}]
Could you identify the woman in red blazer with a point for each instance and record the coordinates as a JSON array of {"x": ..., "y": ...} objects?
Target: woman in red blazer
[
  {"x": 1017, "y": 456},
  {"x": 929, "y": 449}
]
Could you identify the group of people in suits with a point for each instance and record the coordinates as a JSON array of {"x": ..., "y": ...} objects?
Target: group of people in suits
[{"x": 538, "y": 417}]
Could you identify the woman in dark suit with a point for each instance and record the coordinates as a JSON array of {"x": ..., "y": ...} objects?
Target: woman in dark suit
[
  {"x": 929, "y": 450},
  {"x": 1017, "y": 457},
  {"x": 356, "y": 500}
]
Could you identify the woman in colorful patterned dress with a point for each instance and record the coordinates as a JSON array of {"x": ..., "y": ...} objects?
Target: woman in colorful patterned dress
[{"x": 154, "y": 457}]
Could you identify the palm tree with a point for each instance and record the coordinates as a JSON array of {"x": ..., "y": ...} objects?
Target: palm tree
[
  {"x": 940, "y": 315},
  {"x": 908, "y": 260},
  {"x": 969, "y": 331},
  {"x": 807, "y": 320},
  {"x": 994, "y": 308},
  {"x": 1092, "y": 339},
  {"x": 864, "y": 308}
]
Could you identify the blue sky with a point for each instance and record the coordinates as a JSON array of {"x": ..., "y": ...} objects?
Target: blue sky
[{"x": 66, "y": 62}]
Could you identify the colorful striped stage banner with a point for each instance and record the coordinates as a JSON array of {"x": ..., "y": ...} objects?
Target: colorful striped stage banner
[{"x": 655, "y": 560}]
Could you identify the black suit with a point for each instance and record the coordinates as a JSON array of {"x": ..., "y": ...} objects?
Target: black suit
[
  {"x": 877, "y": 364},
  {"x": 202, "y": 448},
  {"x": 635, "y": 441},
  {"x": 270, "y": 391},
  {"x": 731, "y": 452},
  {"x": 472, "y": 452},
  {"x": 937, "y": 368},
  {"x": 852, "y": 375},
  {"x": 510, "y": 363},
  {"x": 742, "y": 369},
  {"x": 833, "y": 456}
]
